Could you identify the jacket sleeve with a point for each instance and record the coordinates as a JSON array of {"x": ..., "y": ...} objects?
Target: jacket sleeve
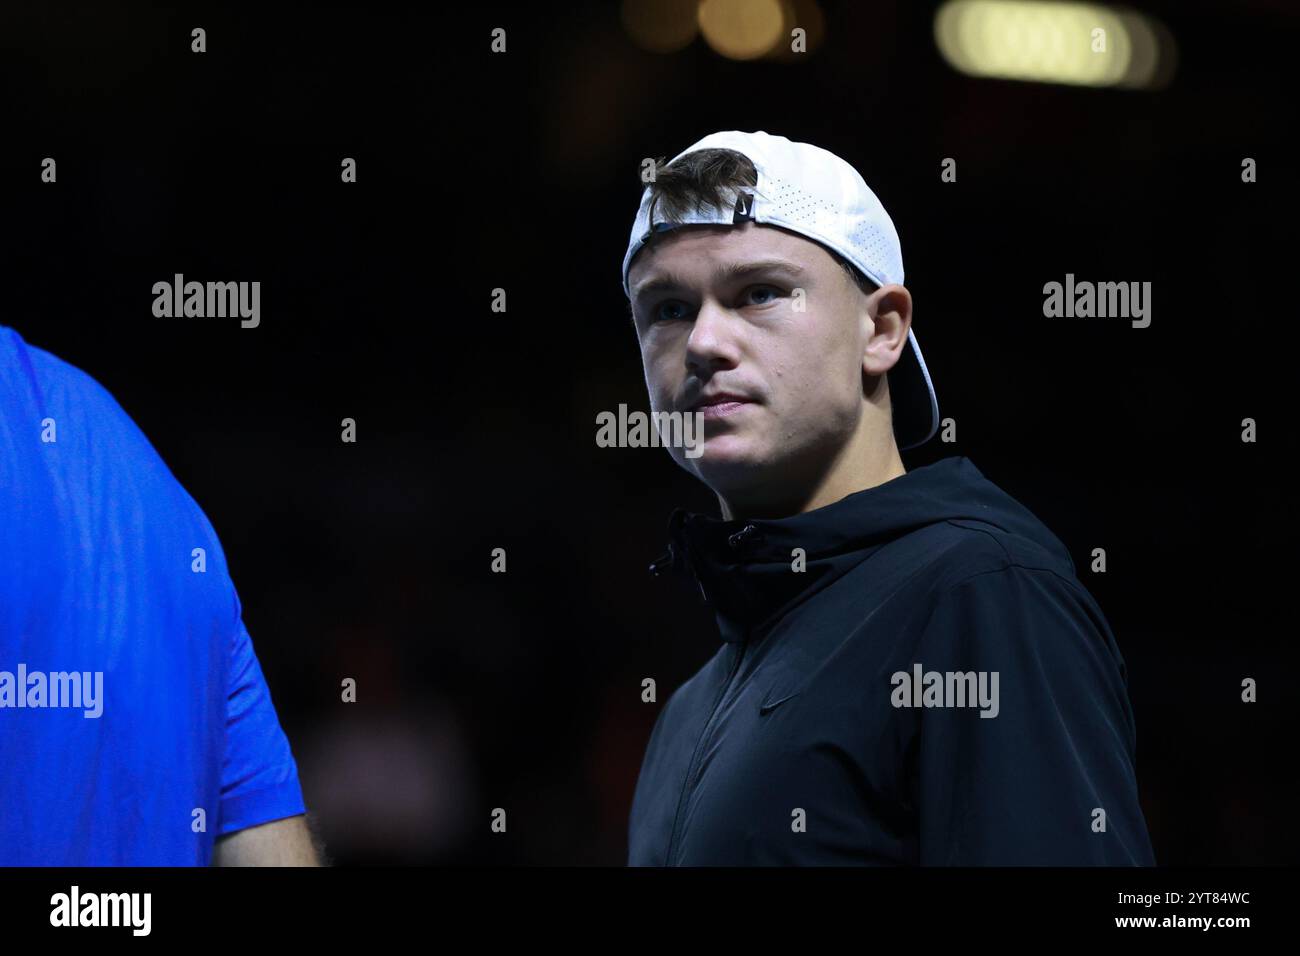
[{"x": 1042, "y": 771}]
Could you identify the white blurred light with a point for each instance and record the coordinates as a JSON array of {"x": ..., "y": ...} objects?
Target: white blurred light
[{"x": 1050, "y": 42}]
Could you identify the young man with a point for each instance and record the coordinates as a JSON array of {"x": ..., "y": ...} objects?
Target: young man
[
  {"x": 910, "y": 670},
  {"x": 136, "y": 728}
]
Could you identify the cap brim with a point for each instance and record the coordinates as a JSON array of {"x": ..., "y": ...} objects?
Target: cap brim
[{"x": 912, "y": 398}]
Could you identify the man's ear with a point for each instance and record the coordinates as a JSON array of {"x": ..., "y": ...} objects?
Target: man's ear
[{"x": 890, "y": 311}]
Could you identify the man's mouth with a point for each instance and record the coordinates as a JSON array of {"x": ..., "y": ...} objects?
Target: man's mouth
[
  {"x": 721, "y": 408},
  {"x": 716, "y": 402}
]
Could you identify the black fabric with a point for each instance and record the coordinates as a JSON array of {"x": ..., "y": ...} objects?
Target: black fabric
[{"x": 790, "y": 746}]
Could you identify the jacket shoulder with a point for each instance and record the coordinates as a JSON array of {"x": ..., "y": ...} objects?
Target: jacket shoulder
[{"x": 969, "y": 546}]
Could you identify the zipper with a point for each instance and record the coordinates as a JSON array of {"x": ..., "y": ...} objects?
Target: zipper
[
  {"x": 691, "y": 767},
  {"x": 736, "y": 541}
]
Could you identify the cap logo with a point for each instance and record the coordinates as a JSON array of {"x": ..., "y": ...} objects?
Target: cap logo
[{"x": 744, "y": 207}]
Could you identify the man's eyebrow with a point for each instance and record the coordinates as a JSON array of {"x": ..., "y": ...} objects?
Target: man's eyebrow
[{"x": 730, "y": 271}]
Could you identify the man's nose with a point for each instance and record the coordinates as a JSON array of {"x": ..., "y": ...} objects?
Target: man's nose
[{"x": 714, "y": 337}]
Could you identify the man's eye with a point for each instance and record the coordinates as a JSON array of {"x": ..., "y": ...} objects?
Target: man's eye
[
  {"x": 775, "y": 292},
  {"x": 663, "y": 312},
  {"x": 673, "y": 310}
]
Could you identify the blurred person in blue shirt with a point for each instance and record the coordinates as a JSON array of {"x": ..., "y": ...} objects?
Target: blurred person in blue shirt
[{"x": 136, "y": 728}]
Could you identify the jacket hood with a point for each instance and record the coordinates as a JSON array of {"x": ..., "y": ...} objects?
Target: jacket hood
[{"x": 743, "y": 566}]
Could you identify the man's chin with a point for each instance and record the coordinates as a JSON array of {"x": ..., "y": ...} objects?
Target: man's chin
[{"x": 726, "y": 461}]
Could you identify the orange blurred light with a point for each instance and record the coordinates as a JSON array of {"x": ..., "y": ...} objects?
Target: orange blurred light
[
  {"x": 742, "y": 29},
  {"x": 661, "y": 26}
]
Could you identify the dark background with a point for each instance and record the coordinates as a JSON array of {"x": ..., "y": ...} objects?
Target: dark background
[{"x": 476, "y": 429}]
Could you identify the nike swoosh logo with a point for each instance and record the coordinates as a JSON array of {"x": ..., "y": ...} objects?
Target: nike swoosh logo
[{"x": 770, "y": 705}]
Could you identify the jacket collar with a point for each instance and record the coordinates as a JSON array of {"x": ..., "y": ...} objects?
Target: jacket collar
[{"x": 744, "y": 568}]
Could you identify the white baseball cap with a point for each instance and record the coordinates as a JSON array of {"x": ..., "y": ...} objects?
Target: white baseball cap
[{"x": 813, "y": 192}]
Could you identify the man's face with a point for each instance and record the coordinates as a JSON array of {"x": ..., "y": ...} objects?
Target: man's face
[{"x": 714, "y": 312}]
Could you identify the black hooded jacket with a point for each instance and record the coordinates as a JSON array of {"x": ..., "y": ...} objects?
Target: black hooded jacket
[{"x": 933, "y": 686}]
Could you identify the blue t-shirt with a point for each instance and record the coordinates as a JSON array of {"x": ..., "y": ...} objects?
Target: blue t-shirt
[{"x": 135, "y": 724}]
